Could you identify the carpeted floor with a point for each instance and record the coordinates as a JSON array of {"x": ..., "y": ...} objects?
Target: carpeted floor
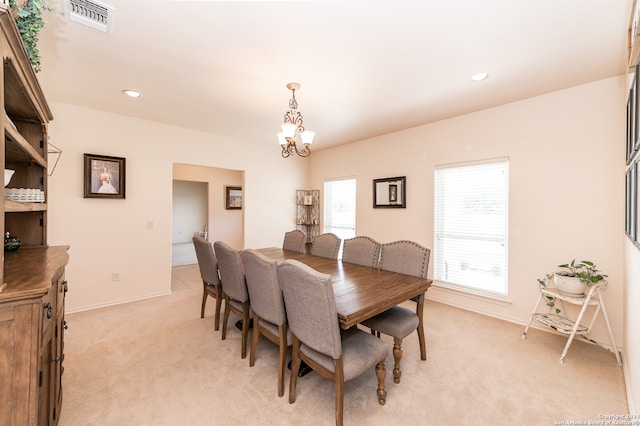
[{"x": 155, "y": 362}]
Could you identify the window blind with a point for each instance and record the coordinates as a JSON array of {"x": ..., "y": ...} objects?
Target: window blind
[{"x": 471, "y": 226}]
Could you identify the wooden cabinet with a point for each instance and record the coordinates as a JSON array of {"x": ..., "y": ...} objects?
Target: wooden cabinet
[
  {"x": 32, "y": 281},
  {"x": 24, "y": 124},
  {"x": 32, "y": 336}
]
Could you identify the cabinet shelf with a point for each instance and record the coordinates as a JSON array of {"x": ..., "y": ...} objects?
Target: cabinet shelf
[
  {"x": 16, "y": 206},
  {"x": 17, "y": 149}
]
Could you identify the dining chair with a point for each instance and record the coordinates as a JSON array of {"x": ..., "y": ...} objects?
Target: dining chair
[
  {"x": 267, "y": 304},
  {"x": 410, "y": 258},
  {"x": 208, "y": 265},
  {"x": 361, "y": 250},
  {"x": 317, "y": 339},
  {"x": 326, "y": 245},
  {"x": 234, "y": 288},
  {"x": 295, "y": 240}
]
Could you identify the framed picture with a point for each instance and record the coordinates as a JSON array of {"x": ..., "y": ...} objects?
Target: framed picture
[
  {"x": 636, "y": 112},
  {"x": 104, "y": 176},
  {"x": 634, "y": 207},
  {"x": 233, "y": 197},
  {"x": 390, "y": 192},
  {"x": 631, "y": 123}
]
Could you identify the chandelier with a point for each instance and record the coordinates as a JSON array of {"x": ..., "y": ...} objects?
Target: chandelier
[{"x": 293, "y": 133}]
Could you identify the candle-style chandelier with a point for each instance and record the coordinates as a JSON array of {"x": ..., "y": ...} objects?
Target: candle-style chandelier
[{"x": 293, "y": 133}]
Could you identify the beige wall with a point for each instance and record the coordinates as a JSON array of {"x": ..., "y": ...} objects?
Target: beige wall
[
  {"x": 133, "y": 236},
  {"x": 224, "y": 225},
  {"x": 566, "y": 155}
]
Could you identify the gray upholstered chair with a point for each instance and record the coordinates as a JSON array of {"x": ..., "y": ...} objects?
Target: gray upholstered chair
[
  {"x": 267, "y": 304},
  {"x": 234, "y": 288},
  {"x": 295, "y": 240},
  {"x": 317, "y": 338},
  {"x": 361, "y": 250},
  {"x": 208, "y": 265},
  {"x": 326, "y": 245},
  {"x": 410, "y": 258}
]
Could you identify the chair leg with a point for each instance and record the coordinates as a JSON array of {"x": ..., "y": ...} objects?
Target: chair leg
[
  {"x": 282, "y": 357},
  {"x": 381, "y": 373},
  {"x": 225, "y": 320},
  {"x": 219, "y": 297},
  {"x": 245, "y": 329},
  {"x": 339, "y": 379},
  {"x": 421, "y": 339},
  {"x": 397, "y": 356},
  {"x": 295, "y": 368},
  {"x": 204, "y": 298},
  {"x": 254, "y": 339}
]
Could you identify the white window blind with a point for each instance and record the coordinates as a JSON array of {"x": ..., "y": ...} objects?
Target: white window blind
[
  {"x": 471, "y": 226},
  {"x": 340, "y": 208}
]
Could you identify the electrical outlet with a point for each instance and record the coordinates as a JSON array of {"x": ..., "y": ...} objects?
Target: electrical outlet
[{"x": 115, "y": 276}]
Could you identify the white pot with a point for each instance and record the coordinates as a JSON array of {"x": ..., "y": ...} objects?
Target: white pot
[
  {"x": 8, "y": 174},
  {"x": 569, "y": 285}
]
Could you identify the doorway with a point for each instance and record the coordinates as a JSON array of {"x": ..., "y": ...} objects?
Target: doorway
[
  {"x": 190, "y": 216},
  {"x": 221, "y": 223}
]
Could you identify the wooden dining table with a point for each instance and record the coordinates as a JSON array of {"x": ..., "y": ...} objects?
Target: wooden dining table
[{"x": 360, "y": 291}]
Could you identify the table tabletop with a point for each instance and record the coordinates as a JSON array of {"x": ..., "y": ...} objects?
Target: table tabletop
[{"x": 360, "y": 291}]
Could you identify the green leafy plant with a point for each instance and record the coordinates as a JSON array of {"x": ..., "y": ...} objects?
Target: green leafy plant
[
  {"x": 585, "y": 270},
  {"x": 28, "y": 16},
  {"x": 550, "y": 301}
]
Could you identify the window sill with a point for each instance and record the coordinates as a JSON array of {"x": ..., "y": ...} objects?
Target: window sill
[{"x": 485, "y": 296}]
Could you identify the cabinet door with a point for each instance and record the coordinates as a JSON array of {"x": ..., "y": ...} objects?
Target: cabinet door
[
  {"x": 45, "y": 380},
  {"x": 19, "y": 334}
]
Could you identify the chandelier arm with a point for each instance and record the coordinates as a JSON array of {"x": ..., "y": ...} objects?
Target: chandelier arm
[{"x": 303, "y": 152}]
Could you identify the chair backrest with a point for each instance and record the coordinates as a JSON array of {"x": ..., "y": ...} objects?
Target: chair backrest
[
  {"x": 264, "y": 289},
  {"x": 326, "y": 245},
  {"x": 361, "y": 250},
  {"x": 405, "y": 257},
  {"x": 207, "y": 262},
  {"x": 295, "y": 241},
  {"x": 231, "y": 272},
  {"x": 311, "y": 307}
]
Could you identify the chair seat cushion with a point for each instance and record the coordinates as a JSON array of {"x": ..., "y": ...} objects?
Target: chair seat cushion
[
  {"x": 360, "y": 351},
  {"x": 396, "y": 322}
]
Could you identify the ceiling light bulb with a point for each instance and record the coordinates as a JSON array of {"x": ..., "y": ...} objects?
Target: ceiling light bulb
[
  {"x": 132, "y": 93},
  {"x": 480, "y": 76}
]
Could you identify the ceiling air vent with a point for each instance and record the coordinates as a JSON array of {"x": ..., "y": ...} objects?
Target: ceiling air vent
[{"x": 91, "y": 13}]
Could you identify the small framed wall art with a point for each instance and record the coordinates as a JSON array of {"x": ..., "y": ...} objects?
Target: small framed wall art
[
  {"x": 104, "y": 176},
  {"x": 390, "y": 192},
  {"x": 233, "y": 197}
]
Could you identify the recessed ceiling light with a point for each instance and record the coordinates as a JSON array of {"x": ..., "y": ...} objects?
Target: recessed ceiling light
[
  {"x": 480, "y": 76},
  {"x": 132, "y": 93}
]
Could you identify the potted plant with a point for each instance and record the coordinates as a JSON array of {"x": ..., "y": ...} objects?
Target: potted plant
[
  {"x": 573, "y": 280},
  {"x": 28, "y": 16}
]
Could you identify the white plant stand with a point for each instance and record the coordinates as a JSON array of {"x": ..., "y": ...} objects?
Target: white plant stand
[{"x": 569, "y": 327}]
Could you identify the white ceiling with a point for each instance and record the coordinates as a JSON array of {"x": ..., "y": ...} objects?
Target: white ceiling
[{"x": 366, "y": 67}]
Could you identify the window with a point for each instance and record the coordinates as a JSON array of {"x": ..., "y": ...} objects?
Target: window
[
  {"x": 471, "y": 225},
  {"x": 340, "y": 208}
]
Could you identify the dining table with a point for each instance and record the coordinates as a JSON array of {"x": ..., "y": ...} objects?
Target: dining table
[{"x": 360, "y": 291}]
